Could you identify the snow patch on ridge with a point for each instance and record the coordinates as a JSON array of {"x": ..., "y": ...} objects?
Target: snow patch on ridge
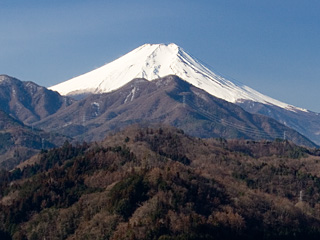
[{"x": 131, "y": 95}]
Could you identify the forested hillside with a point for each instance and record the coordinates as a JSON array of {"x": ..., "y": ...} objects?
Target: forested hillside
[
  {"x": 158, "y": 183},
  {"x": 19, "y": 142}
]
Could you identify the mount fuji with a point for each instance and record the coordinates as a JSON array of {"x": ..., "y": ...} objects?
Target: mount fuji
[{"x": 153, "y": 61}]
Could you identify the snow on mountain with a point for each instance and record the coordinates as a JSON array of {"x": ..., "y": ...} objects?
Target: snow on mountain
[{"x": 152, "y": 61}]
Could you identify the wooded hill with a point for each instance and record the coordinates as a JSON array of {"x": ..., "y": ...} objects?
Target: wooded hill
[
  {"x": 19, "y": 142},
  {"x": 158, "y": 183}
]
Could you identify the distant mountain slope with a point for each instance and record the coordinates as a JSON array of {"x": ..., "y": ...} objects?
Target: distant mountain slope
[
  {"x": 28, "y": 101},
  {"x": 153, "y": 61},
  {"x": 307, "y": 123},
  {"x": 169, "y": 100},
  {"x": 18, "y": 142}
]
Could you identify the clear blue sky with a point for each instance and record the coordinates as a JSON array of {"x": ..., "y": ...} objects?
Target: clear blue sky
[{"x": 272, "y": 46}]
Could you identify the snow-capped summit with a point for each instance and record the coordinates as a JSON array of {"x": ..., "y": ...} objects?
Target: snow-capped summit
[{"x": 152, "y": 61}]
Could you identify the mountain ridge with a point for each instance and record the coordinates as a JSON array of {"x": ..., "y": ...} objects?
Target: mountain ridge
[
  {"x": 170, "y": 100},
  {"x": 27, "y": 101}
]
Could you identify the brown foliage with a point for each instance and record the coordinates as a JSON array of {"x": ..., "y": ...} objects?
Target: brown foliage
[{"x": 138, "y": 185}]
